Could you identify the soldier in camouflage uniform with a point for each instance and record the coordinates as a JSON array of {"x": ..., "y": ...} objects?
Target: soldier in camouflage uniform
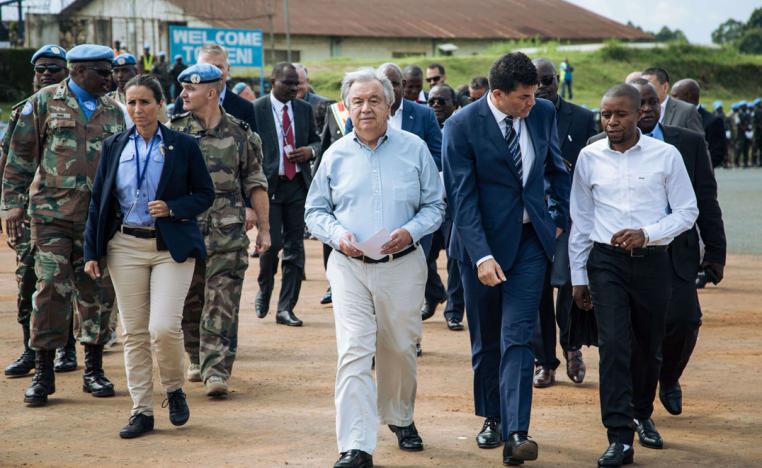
[
  {"x": 57, "y": 143},
  {"x": 233, "y": 155},
  {"x": 742, "y": 142},
  {"x": 756, "y": 121},
  {"x": 49, "y": 68}
]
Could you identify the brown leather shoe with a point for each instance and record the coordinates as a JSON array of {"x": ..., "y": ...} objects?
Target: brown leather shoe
[
  {"x": 575, "y": 366},
  {"x": 544, "y": 377}
]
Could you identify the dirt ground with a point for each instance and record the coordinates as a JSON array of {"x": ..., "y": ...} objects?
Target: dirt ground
[{"x": 281, "y": 411}]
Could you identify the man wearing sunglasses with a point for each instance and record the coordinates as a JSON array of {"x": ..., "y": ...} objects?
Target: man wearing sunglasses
[
  {"x": 49, "y": 68},
  {"x": 57, "y": 145},
  {"x": 435, "y": 75}
]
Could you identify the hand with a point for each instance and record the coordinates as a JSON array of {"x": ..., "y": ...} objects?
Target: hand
[
  {"x": 559, "y": 231},
  {"x": 400, "y": 239},
  {"x": 629, "y": 239},
  {"x": 490, "y": 273},
  {"x": 251, "y": 218},
  {"x": 717, "y": 271},
  {"x": 345, "y": 245},
  {"x": 92, "y": 269},
  {"x": 14, "y": 224},
  {"x": 582, "y": 297},
  {"x": 300, "y": 155},
  {"x": 158, "y": 209},
  {"x": 263, "y": 242}
]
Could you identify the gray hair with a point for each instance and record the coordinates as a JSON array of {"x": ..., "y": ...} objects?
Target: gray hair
[{"x": 365, "y": 75}]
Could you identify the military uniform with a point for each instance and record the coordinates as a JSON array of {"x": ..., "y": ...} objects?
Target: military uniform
[
  {"x": 233, "y": 155},
  {"x": 756, "y": 152},
  {"x": 59, "y": 148},
  {"x": 742, "y": 142}
]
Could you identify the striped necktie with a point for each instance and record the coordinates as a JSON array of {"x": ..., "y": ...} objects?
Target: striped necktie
[{"x": 514, "y": 149}]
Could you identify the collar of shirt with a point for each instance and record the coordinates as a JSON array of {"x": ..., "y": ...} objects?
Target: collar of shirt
[
  {"x": 395, "y": 120},
  {"x": 278, "y": 106},
  {"x": 223, "y": 93},
  {"x": 636, "y": 147},
  {"x": 500, "y": 117},
  {"x": 657, "y": 132},
  {"x": 135, "y": 135},
  {"x": 81, "y": 94},
  {"x": 381, "y": 140}
]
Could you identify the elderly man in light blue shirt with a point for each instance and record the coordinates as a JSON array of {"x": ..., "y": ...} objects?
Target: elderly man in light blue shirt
[{"x": 373, "y": 181}]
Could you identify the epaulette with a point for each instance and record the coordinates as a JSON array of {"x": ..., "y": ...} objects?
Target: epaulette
[
  {"x": 238, "y": 121},
  {"x": 179, "y": 116}
]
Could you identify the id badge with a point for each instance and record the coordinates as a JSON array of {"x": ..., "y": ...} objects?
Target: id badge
[{"x": 288, "y": 149}]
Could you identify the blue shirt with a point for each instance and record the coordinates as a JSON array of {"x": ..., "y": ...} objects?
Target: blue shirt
[
  {"x": 135, "y": 212},
  {"x": 361, "y": 190},
  {"x": 657, "y": 132},
  {"x": 87, "y": 102}
]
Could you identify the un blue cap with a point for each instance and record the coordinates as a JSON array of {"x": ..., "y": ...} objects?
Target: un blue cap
[
  {"x": 124, "y": 60},
  {"x": 756, "y": 102},
  {"x": 90, "y": 53},
  {"x": 51, "y": 51},
  {"x": 239, "y": 87},
  {"x": 200, "y": 73},
  {"x": 717, "y": 104}
]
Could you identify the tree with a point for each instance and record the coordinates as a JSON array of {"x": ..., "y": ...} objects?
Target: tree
[
  {"x": 755, "y": 20},
  {"x": 751, "y": 41},
  {"x": 667, "y": 35},
  {"x": 728, "y": 32}
]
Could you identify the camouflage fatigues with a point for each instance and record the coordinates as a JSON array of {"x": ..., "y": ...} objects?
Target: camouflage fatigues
[
  {"x": 756, "y": 152},
  {"x": 742, "y": 121},
  {"x": 25, "y": 277},
  {"x": 233, "y": 155},
  {"x": 59, "y": 148}
]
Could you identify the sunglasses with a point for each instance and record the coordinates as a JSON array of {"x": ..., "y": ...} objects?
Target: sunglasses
[
  {"x": 51, "y": 68},
  {"x": 437, "y": 101},
  {"x": 103, "y": 72},
  {"x": 547, "y": 80},
  {"x": 434, "y": 79}
]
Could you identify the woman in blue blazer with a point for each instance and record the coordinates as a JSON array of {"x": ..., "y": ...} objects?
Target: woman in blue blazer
[{"x": 151, "y": 184}]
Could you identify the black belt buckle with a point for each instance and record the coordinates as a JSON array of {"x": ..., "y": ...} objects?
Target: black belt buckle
[{"x": 642, "y": 253}]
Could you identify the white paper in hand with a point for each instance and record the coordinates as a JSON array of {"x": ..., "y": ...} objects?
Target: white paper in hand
[{"x": 371, "y": 247}]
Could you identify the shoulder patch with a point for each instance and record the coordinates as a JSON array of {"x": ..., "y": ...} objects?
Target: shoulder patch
[
  {"x": 27, "y": 108},
  {"x": 19, "y": 105}
]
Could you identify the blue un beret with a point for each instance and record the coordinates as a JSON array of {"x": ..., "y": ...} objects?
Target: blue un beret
[
  {"x": 90, "y": 53},
  {"x": 51, "y": 51},
  {"x": 124, "y": 60},
  {"x": 200, "y": 73},
  {"x": 717, "y": 104},
  {"x": 755, "y": 102}
]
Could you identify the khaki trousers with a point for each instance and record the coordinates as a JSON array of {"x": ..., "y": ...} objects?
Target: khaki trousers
[
  {"x": 377, "y": 310},
  {"x": 150, "y": 288}
]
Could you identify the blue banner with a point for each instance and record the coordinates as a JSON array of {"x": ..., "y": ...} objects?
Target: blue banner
[{"x": 244, "y": 46}]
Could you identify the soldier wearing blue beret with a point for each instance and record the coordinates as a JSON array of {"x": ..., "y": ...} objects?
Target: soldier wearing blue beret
[
  {"x": 125, "y": 67},
  {"x": 200, "y": 73}
]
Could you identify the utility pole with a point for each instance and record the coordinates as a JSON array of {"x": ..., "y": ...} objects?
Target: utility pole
[{"x": 288, "y": 32}]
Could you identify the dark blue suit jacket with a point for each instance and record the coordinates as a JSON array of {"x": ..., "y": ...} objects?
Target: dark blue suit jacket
[
  {"x": 185, "y": 185},
  {"x": 485, "y": 190},
  {"x": 575, "y": 126},
  {"x": 420, "y": 120}
]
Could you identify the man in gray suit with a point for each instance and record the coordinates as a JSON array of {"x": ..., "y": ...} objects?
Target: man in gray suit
[
  {"x": 674, "y": 113},
  {"x": 290, "y": 142}
]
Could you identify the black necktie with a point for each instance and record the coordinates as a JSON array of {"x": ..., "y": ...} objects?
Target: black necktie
[{"x": 514, "y": 149}]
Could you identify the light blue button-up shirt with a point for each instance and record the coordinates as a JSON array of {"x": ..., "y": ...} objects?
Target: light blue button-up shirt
[
  {"x": 135, "y": 212},
  {"x": 360, "y": 190},
  {"x": 87, "y": 102}
]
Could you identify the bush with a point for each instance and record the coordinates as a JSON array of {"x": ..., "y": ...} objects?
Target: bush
[{"x": 17, "y": 73}]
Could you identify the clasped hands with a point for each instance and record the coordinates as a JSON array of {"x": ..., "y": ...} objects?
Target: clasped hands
[{"x": 399, "y": 239}]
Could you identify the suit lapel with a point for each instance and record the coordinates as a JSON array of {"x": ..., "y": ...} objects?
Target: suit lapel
[
  {"x": 298, "y": 124},
  {"x": 539, "y": 159},
  {"x": 408, "y": 117},
  {"x": 494, "y": 134},
  {"x": 169, "y": 160},
  {"x": 669, "y": 112},
  {"x": 117, "y": 149},
  {"x": 564, "y": 121}
]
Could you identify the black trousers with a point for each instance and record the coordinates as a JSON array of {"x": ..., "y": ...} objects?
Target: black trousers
[
  {"x": 435, "y": 290},
  {"x": 544, "y": 342},
  {"x": 630, "y": 297},
  {"x": 682, "y": 329},
  {"x": 287, "y": 233}
]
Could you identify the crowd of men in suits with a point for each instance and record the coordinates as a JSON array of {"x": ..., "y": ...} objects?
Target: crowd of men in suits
[{"x": 508, "y": 149}]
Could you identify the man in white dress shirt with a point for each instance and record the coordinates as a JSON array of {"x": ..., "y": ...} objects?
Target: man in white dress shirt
[{"x": 631, "y": 196}]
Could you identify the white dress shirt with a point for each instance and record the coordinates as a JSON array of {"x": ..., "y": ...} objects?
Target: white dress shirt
[
  {"x": 525, "y": 144},
  {"x": 277, "y": 107},
  {"x": 395, "y": 121},
  {"x": 646, "y": 187}
]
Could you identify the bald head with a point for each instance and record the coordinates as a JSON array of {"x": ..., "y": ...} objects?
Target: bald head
[
  {"x": 687, "y": 90},
  {"x": 544, "y": 65},
  {"x": 548, "y": 79}
]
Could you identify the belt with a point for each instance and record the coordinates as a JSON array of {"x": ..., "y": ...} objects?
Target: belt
[
  {"x": 636, "y": 253},
  {"x": 142, "y": 233},
  {"x": 283, "y": 178},
  {"x": 365, "y": 259}
]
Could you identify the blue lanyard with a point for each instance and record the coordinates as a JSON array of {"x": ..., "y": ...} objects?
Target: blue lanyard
[{"x": 142, "y": 174}]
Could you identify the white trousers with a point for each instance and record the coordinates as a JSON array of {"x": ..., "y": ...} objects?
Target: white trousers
[
  {"x": 377, "y": 310},
  {"x": 150, "y": 289}
]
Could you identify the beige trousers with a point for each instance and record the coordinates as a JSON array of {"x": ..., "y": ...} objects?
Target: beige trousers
[
  {"x": 150, "y": 288},
  {"x": 377, "y": 310}
]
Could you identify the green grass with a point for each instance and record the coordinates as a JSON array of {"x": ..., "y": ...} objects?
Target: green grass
[{"x": 723, "y": 73}]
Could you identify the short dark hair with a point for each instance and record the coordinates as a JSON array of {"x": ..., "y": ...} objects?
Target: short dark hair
[
  {"x": 280, "y": 68},
  {"x": 438, "y": 66},
  {"x": 453, "y": 94},
  {"x": 511, "y": 70},
  {"x": 479, "y": 82},
  {"x": 626, "y": 91},
  {"x": 149, "y": 81},
  {"x": 661, "y": 74},
  {"x": 412, "y": 70}
]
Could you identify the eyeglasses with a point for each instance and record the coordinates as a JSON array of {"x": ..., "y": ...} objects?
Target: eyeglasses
[
  {"x": 547, "y": 80},
  {"x": 51, "y": 68},
  {"x": 433, "y": 79},
  {"x": 437, "y": 102},
  {"x": 103, "y": 72}
]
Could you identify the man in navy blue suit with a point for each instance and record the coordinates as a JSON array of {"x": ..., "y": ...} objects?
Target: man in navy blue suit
[{"x": 498, "y": 155}]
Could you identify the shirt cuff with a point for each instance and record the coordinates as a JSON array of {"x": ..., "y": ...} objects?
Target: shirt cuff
[
  {"x": 337, "y": 237},
  {"x": 484, "y": 259},
  {"x": 579, "y": 277},
  {"x": 651, "y": 232}
]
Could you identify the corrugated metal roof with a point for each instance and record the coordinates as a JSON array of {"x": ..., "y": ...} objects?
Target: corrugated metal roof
[{"x": 428, "y": 19}]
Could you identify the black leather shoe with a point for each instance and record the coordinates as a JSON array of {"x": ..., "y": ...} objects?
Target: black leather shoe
[
  {"x": 575, "y": 366},
  {"x": 24, "y": 363},
  {"x": 428, "y": 309},
  {"x": 518, "y": 449},
  {"x": 262, "y": 304},
  {"x": 648, "y": 435},
  {"x": 418, "y": 350},
  {"x": 287, "y": 317},
  {"x": 489, "y": 437},
  {"x": 327, "y": 297},
  {"x": 616, "y": 455},
  {"x": 138, "y": 425},
  {"x": 672, "y": 398},
  {"x": 454, "y": 324},
  {"x": 408, "y": 438},
  {"x": 66, "y": 358},
  {"x": 94, "y": 380},
  {"x": 44, "y": 380},
  {"x": 179, "y": 413},
  {"x": 354, "y": 459}
]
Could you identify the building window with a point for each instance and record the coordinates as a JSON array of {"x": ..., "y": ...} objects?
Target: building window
[
  {"x": 273, "y": 56},
  {"x": 102, "y": 31}
]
